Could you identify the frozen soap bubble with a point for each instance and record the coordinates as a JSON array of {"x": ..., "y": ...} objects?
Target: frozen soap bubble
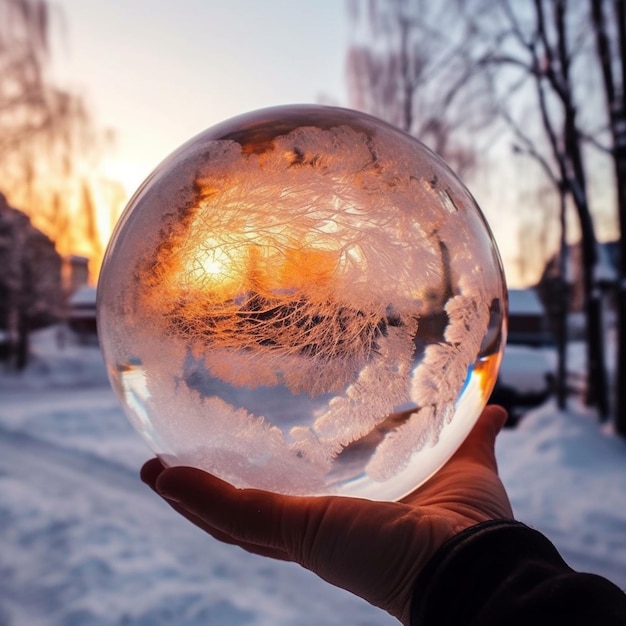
[{"x": 304, "y": 300}]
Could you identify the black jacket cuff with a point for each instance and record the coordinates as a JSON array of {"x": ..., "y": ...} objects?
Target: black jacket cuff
[{"x": 503, "y": 572}]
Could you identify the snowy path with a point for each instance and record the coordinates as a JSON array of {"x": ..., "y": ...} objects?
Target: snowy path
[
  {"x": 84, "y": 543},
  {"x": 567, "y": 478}
]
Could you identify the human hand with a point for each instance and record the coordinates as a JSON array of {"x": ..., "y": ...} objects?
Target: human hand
[{"x": 373, "y": 549}]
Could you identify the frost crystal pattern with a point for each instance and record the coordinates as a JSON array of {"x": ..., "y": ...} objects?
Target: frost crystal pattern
[{"x": 304, "y": 300}]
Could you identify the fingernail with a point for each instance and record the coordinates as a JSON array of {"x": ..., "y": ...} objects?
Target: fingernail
[{"x": 170, "y": 497}]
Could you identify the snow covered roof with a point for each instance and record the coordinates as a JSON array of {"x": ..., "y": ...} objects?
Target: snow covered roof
[
  {"x": 83, "y": 296},
  {"x": 525, "y": 301}
]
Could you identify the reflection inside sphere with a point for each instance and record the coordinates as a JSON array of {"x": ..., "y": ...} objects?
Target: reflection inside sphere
[{"x": 304, "y": 300}]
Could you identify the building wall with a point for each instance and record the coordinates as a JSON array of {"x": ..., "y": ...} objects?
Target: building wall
[{"x": 30, "y": 273}]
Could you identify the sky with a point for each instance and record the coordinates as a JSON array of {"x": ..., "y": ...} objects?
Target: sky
[{"x": 158, "y": 72}]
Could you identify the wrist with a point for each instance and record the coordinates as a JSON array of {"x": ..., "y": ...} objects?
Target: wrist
[{"x": 470, "y": 564}]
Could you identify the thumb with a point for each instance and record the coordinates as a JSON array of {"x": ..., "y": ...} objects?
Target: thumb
[{"x": 480, "y": 443}]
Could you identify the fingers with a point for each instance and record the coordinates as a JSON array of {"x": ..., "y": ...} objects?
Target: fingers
[
  {"x": 373, "y": 549},
  {"x": 225, "y": 538},
  {"x": 255, "y": 520},
  {"x": 150, "y": 473}
]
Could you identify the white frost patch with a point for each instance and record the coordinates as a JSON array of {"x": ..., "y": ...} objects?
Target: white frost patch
[
  {"x": 382, "y": 385},
  {"x": 436, "y": 386},
  {"x": 241, "y": 448}
]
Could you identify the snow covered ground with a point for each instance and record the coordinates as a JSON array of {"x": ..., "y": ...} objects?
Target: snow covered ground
[{"x": 83, "y": 542}]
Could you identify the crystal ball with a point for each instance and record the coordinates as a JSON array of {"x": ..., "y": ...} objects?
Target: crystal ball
[{"x": 304, "y": 300}]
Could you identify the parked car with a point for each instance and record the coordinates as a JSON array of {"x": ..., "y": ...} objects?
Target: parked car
[{"x": 525, "y": 381}]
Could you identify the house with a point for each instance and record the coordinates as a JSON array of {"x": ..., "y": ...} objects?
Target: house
[
  {"x": 75, "y": 272},
  {"x": 605, "y": 274},
  {"x": 81, "y": 313},
  {"x": 528, "y": 321}
]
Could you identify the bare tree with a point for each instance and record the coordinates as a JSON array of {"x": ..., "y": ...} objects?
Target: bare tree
[
  {"x": 531, "y": 51},
  {"x": 44, "y": 132},
  {"x": 407, "y": 65},
  {"x": 432, "y": 65},
  {"x": 609, "y": 22}
]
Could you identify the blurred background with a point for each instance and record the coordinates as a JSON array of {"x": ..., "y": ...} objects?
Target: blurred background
[{"x": 525, "y": 100}]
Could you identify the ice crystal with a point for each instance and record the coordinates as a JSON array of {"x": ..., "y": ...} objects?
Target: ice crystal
[
  {"x": 436, "y": 385},
  {"x": 241, "y": 442}
]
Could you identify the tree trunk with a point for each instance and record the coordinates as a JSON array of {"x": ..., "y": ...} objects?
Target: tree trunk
[
  {"x": 563, "y": 309},
  {"x": 597, "y": 388},
  {"x": 572, "y": 174},
  {"x": 618, "y": 125},
  {"x": 614, "y": 85},
  {"x": 619, "y": 154}
]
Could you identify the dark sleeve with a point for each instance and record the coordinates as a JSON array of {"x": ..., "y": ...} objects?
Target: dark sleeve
[{"x": 504, "y": 573}]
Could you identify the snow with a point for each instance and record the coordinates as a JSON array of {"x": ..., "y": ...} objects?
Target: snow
[{"x": 83, "y": 542}]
